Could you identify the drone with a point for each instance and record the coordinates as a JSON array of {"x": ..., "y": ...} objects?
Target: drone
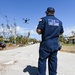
[{"x": 26, "y": 20}]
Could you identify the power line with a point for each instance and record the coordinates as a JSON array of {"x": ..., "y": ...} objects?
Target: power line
[{"x": 2, "y": 15}]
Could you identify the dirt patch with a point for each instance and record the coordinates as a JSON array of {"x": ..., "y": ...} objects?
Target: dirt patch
[
  {"x": 70, "y": 49},
  {"x": 8, "y": 48},
  {"x": 11, "y": 47},
  {"x": 2, "y": 67}
]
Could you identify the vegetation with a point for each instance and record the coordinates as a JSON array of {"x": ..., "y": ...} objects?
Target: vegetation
[
  {"x": 9, "y": 32},
  {"x": 11, "y": 36},
  {"x": 1, "y": 39},
  {"x": 64, "y": 44}
]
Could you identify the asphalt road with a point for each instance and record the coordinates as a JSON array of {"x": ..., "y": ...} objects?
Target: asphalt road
[{"x": 24, "y": 61}]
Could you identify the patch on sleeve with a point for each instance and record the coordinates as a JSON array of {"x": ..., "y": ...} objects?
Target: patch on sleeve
[{"x": 40, "y": 19}]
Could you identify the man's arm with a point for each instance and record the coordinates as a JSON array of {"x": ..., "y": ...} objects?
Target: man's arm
[
  {"x": 40, "y": 26},
  {"x": 61, "y": 30},
  {"x": 61, "y": 33}
]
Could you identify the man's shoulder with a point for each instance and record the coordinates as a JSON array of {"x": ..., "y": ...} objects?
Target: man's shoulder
[
  {"x": 58, "y": 19},
  {"x": 43, "y": 17}
]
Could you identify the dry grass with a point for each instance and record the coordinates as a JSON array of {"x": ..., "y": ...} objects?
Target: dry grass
[
  {"x": 70, "y": 49},
  {"x": 8, "y": 47}
]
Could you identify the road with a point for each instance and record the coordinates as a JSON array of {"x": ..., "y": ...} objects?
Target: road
[{"x": 24, "y": 61}]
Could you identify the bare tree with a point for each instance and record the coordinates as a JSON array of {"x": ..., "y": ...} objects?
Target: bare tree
[
  {"x": 11, "y": 30},
  {"x": 28, "y": 34},
  {"x": 14, "y": 26},
  {"x": 15, "y": 30},
  {"x": 7, "y": 25},
  {"x": 3, "y": 32}
]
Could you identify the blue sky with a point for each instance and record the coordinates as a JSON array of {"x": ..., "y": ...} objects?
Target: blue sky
[{"x": 34, "y": 10}]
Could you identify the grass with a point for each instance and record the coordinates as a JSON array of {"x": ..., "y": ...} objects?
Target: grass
[{"x": 67, "y": 44}]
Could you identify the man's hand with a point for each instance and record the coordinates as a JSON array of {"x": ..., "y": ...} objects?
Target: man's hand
[{"x": 38, "y": 31}]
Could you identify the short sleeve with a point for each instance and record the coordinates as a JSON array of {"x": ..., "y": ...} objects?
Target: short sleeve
[
  {"x": 61, "y": 28},
  {"x": 41, "y": 24}
]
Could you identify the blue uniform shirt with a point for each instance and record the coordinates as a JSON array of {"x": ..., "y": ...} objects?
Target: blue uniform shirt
[{"x": 51, "y": 28}]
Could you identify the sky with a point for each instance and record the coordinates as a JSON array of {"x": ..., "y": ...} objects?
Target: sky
[{"x": 34, "y": 10}]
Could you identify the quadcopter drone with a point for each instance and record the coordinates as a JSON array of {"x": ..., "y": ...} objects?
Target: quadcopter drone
[{"x": 26, "y": 20}]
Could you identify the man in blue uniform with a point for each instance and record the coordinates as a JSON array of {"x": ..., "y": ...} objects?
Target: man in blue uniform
[{"x": 50, "y": 28}]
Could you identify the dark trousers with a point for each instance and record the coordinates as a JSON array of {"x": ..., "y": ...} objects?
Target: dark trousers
[{"x": 51, "y": 54}]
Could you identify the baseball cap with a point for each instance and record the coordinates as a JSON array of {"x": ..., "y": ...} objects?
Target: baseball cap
[{"x": 49, "y": 9}]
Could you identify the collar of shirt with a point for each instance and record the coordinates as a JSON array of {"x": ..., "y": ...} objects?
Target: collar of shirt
[{"x": 51, "y": 15}]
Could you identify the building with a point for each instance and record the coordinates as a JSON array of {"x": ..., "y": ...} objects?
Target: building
[{"x": 71, "y": 40}]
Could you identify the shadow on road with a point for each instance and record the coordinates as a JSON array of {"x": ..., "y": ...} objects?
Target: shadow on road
[{"x": 31, "y": 70}]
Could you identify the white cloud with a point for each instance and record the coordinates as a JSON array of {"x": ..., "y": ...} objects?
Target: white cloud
[
  {"x": 22, "y": 31},
  {"x": 33, "y": 32},
  {"x": 68, "y": 30}
]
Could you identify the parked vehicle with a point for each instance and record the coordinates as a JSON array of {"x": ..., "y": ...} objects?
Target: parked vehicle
[{"x": 3, "y": 45}]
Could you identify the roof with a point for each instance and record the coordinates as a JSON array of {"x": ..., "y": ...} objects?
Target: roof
[{"x": 72, "y": 37}]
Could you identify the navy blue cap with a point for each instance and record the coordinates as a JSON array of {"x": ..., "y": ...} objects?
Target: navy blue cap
[{"x": 49, "y": 9}]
